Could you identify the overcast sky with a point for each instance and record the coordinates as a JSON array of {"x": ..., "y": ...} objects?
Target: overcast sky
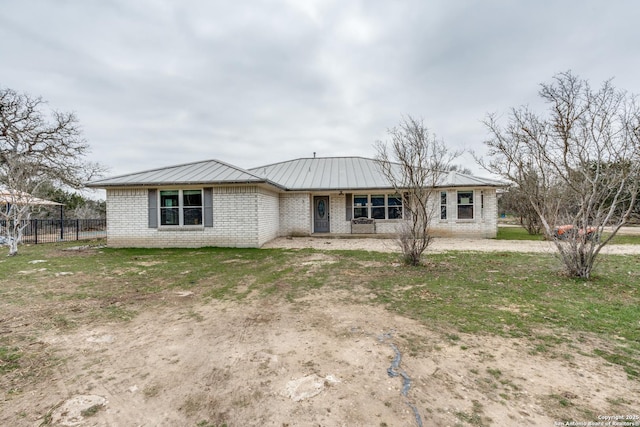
[{"x": 156, "y": 83}]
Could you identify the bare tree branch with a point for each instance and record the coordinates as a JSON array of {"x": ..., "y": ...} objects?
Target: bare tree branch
[
  {"x": 36, "y": 146},
  {"x": 579, "y": 164},
  {"x": 414, "y": 161}
]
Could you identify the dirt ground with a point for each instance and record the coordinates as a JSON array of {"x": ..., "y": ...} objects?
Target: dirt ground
[{"x": 329, "y": 359}]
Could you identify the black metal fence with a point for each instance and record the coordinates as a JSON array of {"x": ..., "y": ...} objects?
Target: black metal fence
[{"x": 55, "y": 230}]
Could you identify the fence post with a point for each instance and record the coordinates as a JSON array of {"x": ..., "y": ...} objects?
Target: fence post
[
  {"x": 77, "y": 229},
  {"x": 36, "y": 231},
  {"x": 61, "y": 222}
]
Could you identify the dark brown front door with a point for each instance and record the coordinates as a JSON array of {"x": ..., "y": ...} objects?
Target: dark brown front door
[{"x": 321, "y": 214}]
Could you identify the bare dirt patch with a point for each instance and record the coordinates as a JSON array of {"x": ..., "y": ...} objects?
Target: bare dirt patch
[
  {"x": 318, "y": 361},
  {"x": 327, "y": 358}
]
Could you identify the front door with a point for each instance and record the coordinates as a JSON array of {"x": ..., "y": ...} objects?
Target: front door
[{"x": 321, "y": 214}]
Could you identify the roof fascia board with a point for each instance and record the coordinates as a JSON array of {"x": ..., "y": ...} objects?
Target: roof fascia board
[{"x": 183, "y": 184}]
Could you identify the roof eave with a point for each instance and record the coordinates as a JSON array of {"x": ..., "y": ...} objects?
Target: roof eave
[
  {"x": 171, "y": 184},
  {"x": 471, "y": 186},
  {"x": 351, "y": 189}
]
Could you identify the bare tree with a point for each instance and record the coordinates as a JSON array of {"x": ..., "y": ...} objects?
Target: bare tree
[
  {"x": 36, "y": 146},
  {"x": 15, "y": 211},
  {"x": 415, "y": 162},
  {"x": 578, "y": 164},
  {"x": 518, "y": 200}
]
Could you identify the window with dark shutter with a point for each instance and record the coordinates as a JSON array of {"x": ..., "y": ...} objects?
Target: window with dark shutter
[{"x": 180, "y": 208}]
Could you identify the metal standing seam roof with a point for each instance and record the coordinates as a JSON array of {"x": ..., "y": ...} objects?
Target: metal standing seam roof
[
  {"x": 306, "y": 174},
  {"x": 457, "y": 179},
  {"x": 349, "y": 173},
  {"x": 203, "y": 172},
  {"x": 325, "y": 173}
]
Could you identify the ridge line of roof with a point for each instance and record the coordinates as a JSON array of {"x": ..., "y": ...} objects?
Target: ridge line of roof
[{"x": 310, "y": 158}]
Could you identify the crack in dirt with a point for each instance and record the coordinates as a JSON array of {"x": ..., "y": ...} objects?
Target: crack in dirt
[{"x": 394, "y": 371}]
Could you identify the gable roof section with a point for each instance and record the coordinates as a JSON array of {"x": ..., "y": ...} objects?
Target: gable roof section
[{"x": 204, "y": 172}]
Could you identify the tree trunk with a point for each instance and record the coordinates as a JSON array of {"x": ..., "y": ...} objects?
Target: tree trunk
[{"x": 13, "y": 247}]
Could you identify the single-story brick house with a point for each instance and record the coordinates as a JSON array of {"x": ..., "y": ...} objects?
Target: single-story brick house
[{"x": 212, "y": 203}]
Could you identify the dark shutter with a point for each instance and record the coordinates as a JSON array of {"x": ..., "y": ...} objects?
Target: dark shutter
[
  {"x": 153, "y": 208},
  {"x": 208, "y": 207},
  {"x": 349, "y": 206}
]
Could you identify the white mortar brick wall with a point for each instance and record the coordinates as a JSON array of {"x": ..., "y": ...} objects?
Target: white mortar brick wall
[
  {"x": 387, "y": 226},
  {"x": 235, "y": 216},
  {"x": 338, "y": 219},
  {"x": 126, "y": 216},
  {"x": 268, "y": 216},
  {"x": 248, "y": 216},
  {"x": 483, "y": 225},
  {"x": 235, "y": 220},
  {"x": 295, "y": 214}
]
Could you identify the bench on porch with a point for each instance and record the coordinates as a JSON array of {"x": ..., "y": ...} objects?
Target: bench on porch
[{"x": 363, "y": 226}]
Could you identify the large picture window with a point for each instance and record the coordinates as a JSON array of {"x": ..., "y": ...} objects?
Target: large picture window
[
  {"x": 465, "y": 204},
  {"x": 180, "y": 207},
  {"x": 377, "y": 206}
]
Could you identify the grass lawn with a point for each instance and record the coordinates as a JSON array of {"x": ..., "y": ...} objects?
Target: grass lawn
[
  {"x": 516, "y": 233},
  {"x": 505, "y": 294},
  {"x": 519, "y": 233}
]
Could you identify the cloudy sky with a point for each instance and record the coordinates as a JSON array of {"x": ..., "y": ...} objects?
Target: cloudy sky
[{"x": 156, "y": 83}]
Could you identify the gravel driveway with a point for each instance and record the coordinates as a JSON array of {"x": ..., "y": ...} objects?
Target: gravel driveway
[{"x": 438, "y": 245}]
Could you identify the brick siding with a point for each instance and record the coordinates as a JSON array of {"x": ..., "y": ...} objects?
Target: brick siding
[
  {"x": 243, "y": 216},
  {"x": 295, "y": 214},
  {"x": 249, "y": 216}
]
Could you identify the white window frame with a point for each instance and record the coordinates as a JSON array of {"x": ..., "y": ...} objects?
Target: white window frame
[
  {"x": 181, "y": 208},
  {"x": 369, "y": 205},
  {"x": 460, "y": 204}
]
